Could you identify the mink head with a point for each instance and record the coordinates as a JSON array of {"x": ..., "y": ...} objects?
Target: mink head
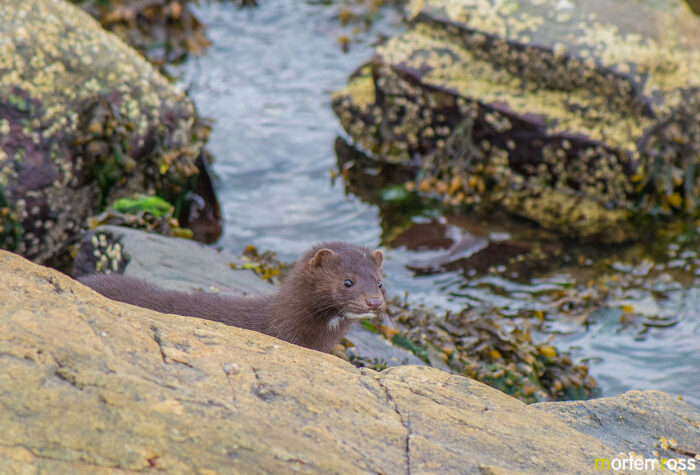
[{"x": 345, "y": 280}]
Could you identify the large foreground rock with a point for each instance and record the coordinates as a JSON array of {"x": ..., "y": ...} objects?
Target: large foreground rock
[
  {"x": 574, "y": 114},
  {"x": 84, "y": 119},
  {"x": 87, "y": 384}
]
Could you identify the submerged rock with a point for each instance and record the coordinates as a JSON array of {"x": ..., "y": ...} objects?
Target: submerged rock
[
  {"x": 577, "y": 115},
  {"x": 89, "y": 384},
  {"x": 84, "y": 120}
]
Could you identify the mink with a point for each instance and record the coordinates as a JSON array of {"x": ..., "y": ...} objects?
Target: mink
[{"x": 332, "y": 286}]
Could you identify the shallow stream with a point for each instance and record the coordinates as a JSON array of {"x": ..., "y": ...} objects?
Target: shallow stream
[{"x": 267, "y": 80}]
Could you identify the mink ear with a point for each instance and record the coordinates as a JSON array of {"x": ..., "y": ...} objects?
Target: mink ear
[
  {"x": 378, "y": 257},
  {"x": 322, "y": 257}
]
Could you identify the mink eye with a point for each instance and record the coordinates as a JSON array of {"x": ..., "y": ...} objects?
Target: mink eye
[
  {"x": 379, "y": 284},
  {"x": 348, "y": 283}
]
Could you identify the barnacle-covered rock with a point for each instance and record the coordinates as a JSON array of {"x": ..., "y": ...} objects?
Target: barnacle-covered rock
[
  {"x": 577, "y": 115},
  {"x": 84, "y": 120}
]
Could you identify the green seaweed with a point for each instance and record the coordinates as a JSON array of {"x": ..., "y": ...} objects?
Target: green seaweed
[
  {"x": 148, "y": 212},
  {"x": 150, "y": 204},
  {"x": 397, "y": 194},
  {"x": 19, "y": 102},
  {"x": 403, "y": 342},
  {"x": 369, "y": 326}
]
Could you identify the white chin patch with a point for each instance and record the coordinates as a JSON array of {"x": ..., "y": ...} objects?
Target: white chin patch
[
  {"x": 359, "y": 316},
  {"x": 335, "y": 322}
]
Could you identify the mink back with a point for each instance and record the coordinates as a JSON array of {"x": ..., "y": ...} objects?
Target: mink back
[{"x": 240, "y": 312}]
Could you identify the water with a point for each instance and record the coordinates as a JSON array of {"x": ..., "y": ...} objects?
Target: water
[
  {"x": 665, "y": 358},
  {"x": 267, "y": 81}
]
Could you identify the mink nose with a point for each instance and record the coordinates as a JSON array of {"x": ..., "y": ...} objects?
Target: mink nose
[{"x": 373, "y": 303}]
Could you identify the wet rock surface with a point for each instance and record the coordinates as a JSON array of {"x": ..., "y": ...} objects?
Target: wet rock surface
[
  {"x": 90, "y": 384},
  {"x": 568, "y": 114},
  {"x": 84, "y": 120}
]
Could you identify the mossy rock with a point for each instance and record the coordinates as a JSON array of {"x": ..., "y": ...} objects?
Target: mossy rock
[
  {"x": 579, "y": 116},
  {"x": 84, "y": 120}
]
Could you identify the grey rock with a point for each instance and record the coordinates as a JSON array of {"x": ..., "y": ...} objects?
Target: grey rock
[
  {"x": 373, "y": 347},
  {"x": 168, "y": 262},
  {"x": 634, "y": 422}
]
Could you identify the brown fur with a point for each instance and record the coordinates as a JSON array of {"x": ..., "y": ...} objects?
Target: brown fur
[{"x": 311, "y": 308}]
